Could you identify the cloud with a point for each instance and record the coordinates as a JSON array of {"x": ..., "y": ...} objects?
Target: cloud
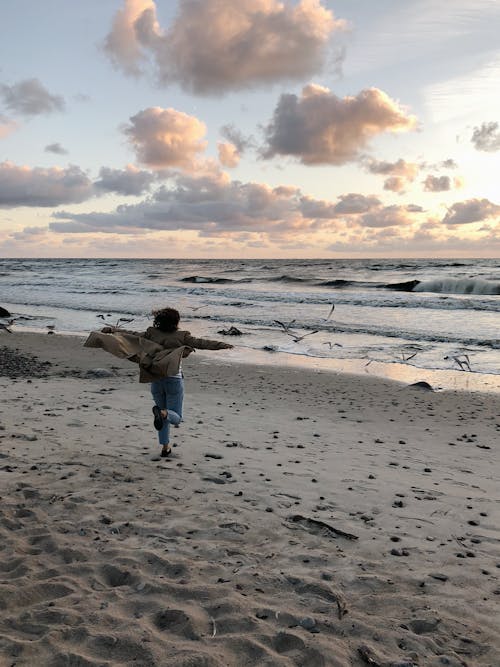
[
  {"x": 206, "y": 204},
  {"x": 389, "y": 216},
  {"x": 30, "y": 98},
  {"x": 128, "y": 181},
  {"x": 231, "y": 152},
  {"x": 321, "y": 128},
  {"x": 56, "y": 148},
  {"x": 37, "y": 186},
  {"x": 437, "y": 183},
  {"x": 471, "y": 210},
  {"x": 398, "y": 173},
  {"x": 214, "y": 46},
  {"x": 7, "y": 126},
  {"x": 234, "y": 136},
  {"x": 165, "y": 138},
  {"x": 229, "y": 156},
  {"x": 402, "y": 168},
  {"x": 122, "y": 44},
  {"x": 486, "y": 137},
  {"x": 354, "y": 203}
]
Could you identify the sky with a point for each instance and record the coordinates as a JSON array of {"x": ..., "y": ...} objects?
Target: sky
[{"x": 257, "y": 128}]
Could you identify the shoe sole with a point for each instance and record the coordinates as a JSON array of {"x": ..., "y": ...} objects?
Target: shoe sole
[{"x": 158, "y": 419}]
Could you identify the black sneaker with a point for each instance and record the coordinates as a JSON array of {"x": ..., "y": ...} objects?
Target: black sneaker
[{"x": 158, "y": 420}]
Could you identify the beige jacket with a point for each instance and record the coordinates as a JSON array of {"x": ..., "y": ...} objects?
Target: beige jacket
[{"x": 158, "y": 354}]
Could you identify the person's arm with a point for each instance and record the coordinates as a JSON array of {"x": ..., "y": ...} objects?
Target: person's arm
[
  {"x": 109, "y": 330},
  {"x": 206, "y": 343}
]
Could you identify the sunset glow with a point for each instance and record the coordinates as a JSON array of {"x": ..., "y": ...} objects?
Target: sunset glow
[{"x": 302, "y": 128}]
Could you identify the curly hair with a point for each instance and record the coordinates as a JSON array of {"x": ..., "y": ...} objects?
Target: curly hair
[{"x": 166, "y": 319}]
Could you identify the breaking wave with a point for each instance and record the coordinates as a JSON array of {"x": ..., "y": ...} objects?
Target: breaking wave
[{"x": 458, "y": 286}]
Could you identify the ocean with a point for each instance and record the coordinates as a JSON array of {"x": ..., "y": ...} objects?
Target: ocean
[{"x": 423, "y": 314}]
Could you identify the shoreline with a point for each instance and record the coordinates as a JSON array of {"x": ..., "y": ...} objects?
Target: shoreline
[
  {"x": 403, "y": 374},
  {"x": 305, "y": 517}
]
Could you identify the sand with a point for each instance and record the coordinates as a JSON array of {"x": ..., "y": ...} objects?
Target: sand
[{"x": 306, "y": 518}]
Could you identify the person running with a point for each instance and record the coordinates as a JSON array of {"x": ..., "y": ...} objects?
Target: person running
[{"x": 167, "y": 386}]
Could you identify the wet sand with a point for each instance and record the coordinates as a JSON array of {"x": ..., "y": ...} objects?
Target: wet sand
[{"x": 305, "y": 518}]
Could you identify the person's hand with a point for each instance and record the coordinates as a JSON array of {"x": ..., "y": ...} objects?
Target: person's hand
[{"x": 108, "y": 330}]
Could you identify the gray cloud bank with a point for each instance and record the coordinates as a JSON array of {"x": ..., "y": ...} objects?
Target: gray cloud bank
[{"x": 55, "y": 186}]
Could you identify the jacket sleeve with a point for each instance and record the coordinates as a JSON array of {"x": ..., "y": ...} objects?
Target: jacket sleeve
[
  {"x": 205, "y": 343},
  {"x": 140, "y": 334}
]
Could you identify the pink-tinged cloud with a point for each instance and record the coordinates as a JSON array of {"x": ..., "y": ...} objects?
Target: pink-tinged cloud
[
  {"x": 205, "y": 204},
  {"x": 30, "y": 98},
  {"x": 486, "y": 137},
  {"x": 164, "y": 138},
  {"x": 213, "y": 205},
  {"x": 395, "y": 184},
  {"x": 437, "y": 183},
  {"x": 321, "y": 128},
  {"x": 398, "y": 173},
  {"x": 389, "y": 216},
  {"x": 7, "y": 126},
  {"x": 471, "y": 210},
  {"x": 408, "y": 170},
  {"x": 122, "y": 44},
  {"x": 214, "y": 46},
  {"x": 229, "y": 155},
  {"x": 37, "y": 186}
]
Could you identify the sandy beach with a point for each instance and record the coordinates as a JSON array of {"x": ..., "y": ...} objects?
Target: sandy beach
[{"x": 306, "y": 518}]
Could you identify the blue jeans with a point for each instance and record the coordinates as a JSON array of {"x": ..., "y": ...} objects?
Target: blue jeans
[{"x": 168, "y": 394}]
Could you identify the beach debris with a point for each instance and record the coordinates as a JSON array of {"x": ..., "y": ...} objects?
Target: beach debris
[
  {"x": 330, "y": 313},
  {"x": 232, "y": 331},
  {"x": 4, "y": 312},
  {"x": 320, "y": 527}
]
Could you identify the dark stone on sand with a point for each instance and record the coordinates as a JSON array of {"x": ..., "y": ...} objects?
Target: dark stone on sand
[
  {"x": 439, "y": 576},
  {"x": 4, "y": 312},
  {"x": 422, "y": 385},
  {"x": 209, "y": 455},
  {"x": 421, "y": 626},
  {"x": 215, "y": 480}
]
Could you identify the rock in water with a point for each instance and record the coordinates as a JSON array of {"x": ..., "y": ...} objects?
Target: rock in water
[{"x": 4, "y": 312}]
